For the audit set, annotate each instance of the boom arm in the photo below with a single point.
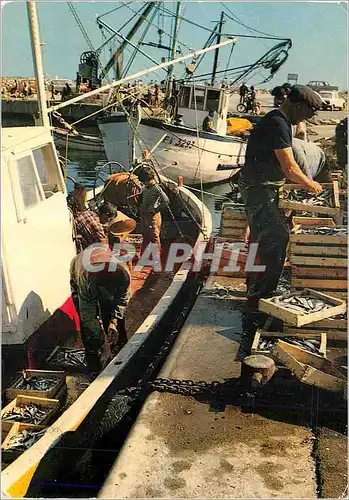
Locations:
(115, 57)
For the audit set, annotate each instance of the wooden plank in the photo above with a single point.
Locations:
(230, 232)
(331, 334)
(230, 215)
(310, 250)
(301, 207)
(319, 283)
(313, 221)
(317, 261)
(338, 324)
(234, 223)
(296, 319)
(320, 272)
(318, 238)
(336, 194)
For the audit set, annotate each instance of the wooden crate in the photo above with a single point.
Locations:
(234, 221)
(336, 329)
(10, 455)
(293, 318)
(310, 368)
(313, 221)
(301, 207)
(12, 392)
(262, 334)
(52, 405)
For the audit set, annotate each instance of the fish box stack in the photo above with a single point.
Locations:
(19, 439)
(302, 201)
(318, 257)
(234, 221)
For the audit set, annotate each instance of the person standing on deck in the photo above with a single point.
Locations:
(100, 294)
(154, 200)
(269, 160)
(243, 92)
(78, 81)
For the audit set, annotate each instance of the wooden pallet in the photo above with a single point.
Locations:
(301, 207)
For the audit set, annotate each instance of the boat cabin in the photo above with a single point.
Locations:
(37, 245)
(196, 100)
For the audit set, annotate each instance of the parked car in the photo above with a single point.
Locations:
(319, 85)
(332, 100)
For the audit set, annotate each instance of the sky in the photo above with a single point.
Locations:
(318, 31)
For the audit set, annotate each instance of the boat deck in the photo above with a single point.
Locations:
(186, 447)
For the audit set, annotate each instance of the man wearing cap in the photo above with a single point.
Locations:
(269, 160)
(207, 124)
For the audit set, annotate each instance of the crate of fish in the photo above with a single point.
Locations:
(264, 342)
(318, 257)
(39, 383)
(29, 410)
(336, 328)
(234, 220)
(19, 439)
(67, 359)
(304, 307)
(292, 197)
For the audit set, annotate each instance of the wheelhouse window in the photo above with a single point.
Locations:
(184, 97)
(199, 98)
(29, 182)
(46, 165)
(212, 101)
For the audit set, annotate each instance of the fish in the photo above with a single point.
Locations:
(24, 439)
(69, 357)
(301, 304)
(306, 198)
(35, 383)
(325, 231)
(28, 414)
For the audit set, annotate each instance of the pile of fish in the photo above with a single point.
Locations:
(310, 345)
(24, 439)
(28, 414)
(35, 383)
(325, 199)
(325, 231)
(69, 357)
(301, 304)
(235, 208)
(284, 285)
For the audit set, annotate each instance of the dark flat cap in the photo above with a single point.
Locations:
(302, 93)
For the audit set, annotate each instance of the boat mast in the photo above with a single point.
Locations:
(173, 48)
(215, 62)
(139, 74)
(37, 58)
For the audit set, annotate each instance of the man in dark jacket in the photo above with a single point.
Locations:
(269, 160)
(100, 288)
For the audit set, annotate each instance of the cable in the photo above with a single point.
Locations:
(237, 20)
(81, 26)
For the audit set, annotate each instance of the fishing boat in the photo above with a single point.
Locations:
(80, 142)
(175, 136)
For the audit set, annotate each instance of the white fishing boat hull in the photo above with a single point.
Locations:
(179, 151)
(81, 142)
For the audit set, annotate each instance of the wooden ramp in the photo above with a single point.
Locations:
(182, 448)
